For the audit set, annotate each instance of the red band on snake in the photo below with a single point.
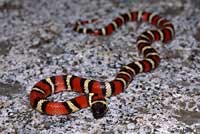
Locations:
(93, 93)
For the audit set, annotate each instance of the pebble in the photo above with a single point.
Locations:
(131, 126)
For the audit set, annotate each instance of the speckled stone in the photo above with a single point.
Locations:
(37, 41)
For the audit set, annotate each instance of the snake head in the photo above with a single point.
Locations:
(99, 109)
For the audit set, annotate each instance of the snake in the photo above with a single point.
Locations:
(94, 93)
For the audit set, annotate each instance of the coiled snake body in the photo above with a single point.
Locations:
(93, 93)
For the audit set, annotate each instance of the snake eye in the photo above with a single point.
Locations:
(99, 109)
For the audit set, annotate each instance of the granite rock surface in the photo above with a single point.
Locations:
(37, 41)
